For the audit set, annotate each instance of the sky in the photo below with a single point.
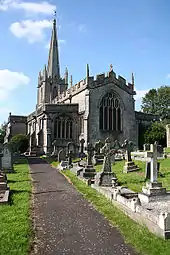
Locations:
(133, 36)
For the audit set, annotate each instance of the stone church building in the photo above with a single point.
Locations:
(92, 109)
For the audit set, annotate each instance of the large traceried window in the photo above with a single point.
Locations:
(63, 128)
(110, 113)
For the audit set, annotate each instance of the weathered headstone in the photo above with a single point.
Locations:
(54, 144)
(6, 161)
(160, 151)
(89, 171)
(61, 155)
(148, 169)
(129, 164)
(168, 135)
(153, 187)
(146, 147)
(98, 156)
(106, 177)
(69, 158)
(71, 147)
(82, 154)
(82, 141)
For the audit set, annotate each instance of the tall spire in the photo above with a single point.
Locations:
(53, 59)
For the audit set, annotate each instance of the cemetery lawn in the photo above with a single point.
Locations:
(138, 236)
(136, 180)
(15, 223)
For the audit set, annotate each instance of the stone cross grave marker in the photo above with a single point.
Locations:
(98, 145)
(107, 177)
(128, 146)
(153, 155)
(106, 150)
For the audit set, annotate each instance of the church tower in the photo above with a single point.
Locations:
(50, 83)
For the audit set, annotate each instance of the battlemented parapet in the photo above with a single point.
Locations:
(90, 82)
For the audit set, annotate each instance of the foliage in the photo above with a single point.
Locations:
(19, 143)
(139, 236)
(2, 132)
(157, 132)
(16, 230)
(157, 102)
(141, 131)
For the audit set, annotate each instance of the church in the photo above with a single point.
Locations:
(93, 109)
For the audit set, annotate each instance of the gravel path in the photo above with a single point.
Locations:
(65, 223)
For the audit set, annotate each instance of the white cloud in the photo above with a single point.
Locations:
(9, 81)
(140, 94)
(138, 98)
(32, 30)
(29, 7)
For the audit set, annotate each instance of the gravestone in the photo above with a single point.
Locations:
(6, 160)
(98, 156)
(89, 171)
(160, 151)
(148, 169)
(106, 177)
(61, 155)
(146, 147)
(82, 154)
(153, 188)
(54, 144)
(71, 147)
(168, 135)
(129, 164)
(69, 158)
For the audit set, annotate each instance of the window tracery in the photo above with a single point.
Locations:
(110, 113)
(63, 128)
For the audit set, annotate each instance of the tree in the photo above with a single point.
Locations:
(2, 132)
(157, 102)
(157, 132)
(19, 143)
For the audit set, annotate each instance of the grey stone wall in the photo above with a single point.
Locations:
(129, 130)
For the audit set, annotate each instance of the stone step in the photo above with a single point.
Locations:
(89, 174)
(3, 186)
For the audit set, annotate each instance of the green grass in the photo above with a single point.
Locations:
(15, 223)
(167, 150)
(144, 242)
(136, 180)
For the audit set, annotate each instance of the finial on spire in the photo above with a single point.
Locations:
(133, 81)
(111, 67)
(71, 80)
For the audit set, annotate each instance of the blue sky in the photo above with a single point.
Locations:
(131, 35)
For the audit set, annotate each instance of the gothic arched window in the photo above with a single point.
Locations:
(110, 113)
(63, 128)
